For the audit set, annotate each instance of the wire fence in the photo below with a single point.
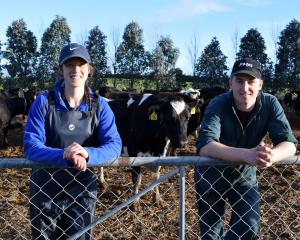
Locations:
(176, 218)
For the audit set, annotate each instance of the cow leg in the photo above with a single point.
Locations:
(156, 198)
(166, 148)
(137, 181)
(197, 131)
(103, 183)
(5, 131)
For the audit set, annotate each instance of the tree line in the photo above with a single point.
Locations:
(27, 65)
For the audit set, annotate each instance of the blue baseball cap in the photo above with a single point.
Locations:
(73, 50)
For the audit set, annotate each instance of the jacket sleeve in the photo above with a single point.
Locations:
(110, 141)
(210, 129)
(35, 137)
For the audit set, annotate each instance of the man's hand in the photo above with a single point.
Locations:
(261, 156)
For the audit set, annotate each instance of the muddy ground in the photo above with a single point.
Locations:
(280, 207)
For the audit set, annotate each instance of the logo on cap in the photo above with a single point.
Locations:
(246, 64)
(72, 49)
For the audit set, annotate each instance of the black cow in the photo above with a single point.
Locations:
(118, 101)
(288, 100)
(209, 93)
(13, 102)
(28, 94)
(114, 93)
(296, 104)
(9, 108)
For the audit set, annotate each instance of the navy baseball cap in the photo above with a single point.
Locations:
(248, 66)
(73, 50)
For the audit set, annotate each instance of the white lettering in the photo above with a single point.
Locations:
(246, 64)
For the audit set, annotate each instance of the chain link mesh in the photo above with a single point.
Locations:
(280, 207)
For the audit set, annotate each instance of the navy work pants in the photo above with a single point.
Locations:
(58, 220)
(244, 201)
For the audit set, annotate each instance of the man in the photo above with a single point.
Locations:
(233, 129)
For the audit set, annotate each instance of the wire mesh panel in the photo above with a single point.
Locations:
(279, 205)
(14, 189)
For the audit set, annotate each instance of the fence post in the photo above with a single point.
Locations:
(182, 202)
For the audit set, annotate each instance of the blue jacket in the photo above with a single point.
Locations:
(221, 124)
(35, 138)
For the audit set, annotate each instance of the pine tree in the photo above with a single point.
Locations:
(96, 48)
(53, 39)
(1, 55)
(211, 65)
(20, 52)
(163, 60)
(253, 45)
(286, 71)
(131, 55)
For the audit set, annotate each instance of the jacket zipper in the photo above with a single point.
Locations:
(243, 129)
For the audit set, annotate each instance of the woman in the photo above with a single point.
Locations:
(67, 127)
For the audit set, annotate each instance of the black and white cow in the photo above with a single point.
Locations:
(195, 109)
(147, 125)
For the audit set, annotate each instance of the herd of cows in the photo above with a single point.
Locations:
(150, 123)
(155, 124)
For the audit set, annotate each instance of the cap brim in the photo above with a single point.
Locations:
(73, 56)
(251, 73)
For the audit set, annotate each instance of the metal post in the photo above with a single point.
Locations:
(182, 203)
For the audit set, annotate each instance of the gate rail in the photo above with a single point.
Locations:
(142, 161)
(180, 161)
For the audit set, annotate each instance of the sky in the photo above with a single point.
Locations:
(181, 20)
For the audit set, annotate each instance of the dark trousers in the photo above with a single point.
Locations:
(244, 202)
(58, 220)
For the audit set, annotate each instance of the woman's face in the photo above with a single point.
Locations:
(75, 72)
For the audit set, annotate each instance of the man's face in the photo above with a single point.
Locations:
(245, 89)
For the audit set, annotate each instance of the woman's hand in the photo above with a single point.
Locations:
(77, 155)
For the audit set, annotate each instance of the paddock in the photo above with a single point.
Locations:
(279, 186)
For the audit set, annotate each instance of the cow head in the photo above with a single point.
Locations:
(176, 116)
